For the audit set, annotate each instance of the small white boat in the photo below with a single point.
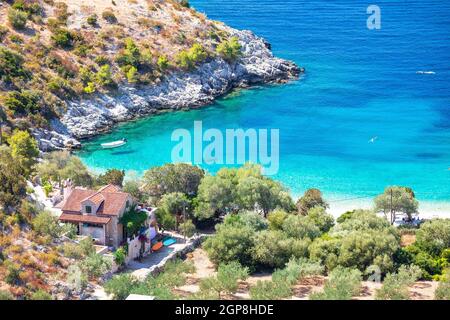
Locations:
(425, 72)
(114, 144)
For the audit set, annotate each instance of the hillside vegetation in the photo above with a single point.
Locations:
(55, 51)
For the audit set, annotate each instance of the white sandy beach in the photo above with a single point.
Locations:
(427, 209)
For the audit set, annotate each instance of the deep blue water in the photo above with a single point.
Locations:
(359, 83)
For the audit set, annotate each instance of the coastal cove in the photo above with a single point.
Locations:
(359, 84)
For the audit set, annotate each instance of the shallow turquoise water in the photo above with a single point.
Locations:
(359, 84)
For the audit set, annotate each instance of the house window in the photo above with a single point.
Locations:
(128, 204)
(88, 209)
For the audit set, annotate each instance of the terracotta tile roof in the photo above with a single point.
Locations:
(73, 202)
(109, 199)
(97, 198)
(84, 218)
(114, 201)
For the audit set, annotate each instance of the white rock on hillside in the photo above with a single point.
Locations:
(257, 65)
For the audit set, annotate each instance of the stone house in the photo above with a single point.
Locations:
(97, 213)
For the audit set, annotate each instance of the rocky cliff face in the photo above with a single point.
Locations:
(86, 118)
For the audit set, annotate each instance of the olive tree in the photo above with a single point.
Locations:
(395, 285)
(169, 178)
(342, 284)
(232, 242)
(274, 248)
(312, 198)
(434, 236)
(396, 200)
(226, 280)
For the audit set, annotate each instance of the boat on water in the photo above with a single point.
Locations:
(114, 144)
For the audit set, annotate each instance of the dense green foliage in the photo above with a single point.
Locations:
(24, 150)
(361, 241)
(133, 220)
(170, 178)
(112, 176)
(232, 190)
(18, 19)
(171, 209)
(12, 181)
(11, 65)
(60, 165)
(46, 224)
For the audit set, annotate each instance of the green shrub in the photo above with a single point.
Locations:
(132, 75)
(133, 220)
(12, 276)
(321, 218)
(48, 188)
(40, 295)
(109, 16)
(76, 279)
(270, 290)
(104, 76)
(187, 59)
(187, 228)
(89, 88)
(11, 65)
(29, 7)
(87, 246)
(62, 38)
(226, 280)
(101, 60)
(120, 256)
(300, 227)
(46, 224)
(174, 275)
(165, 219)
(443, 290)
(120, 286)
(273, 249)
(230, 243)
(361, 249)
(163, 63)
(184, 60)
(326, 251)
(230, 49)
(18, 19)
(95, 265)
(3, 32)
(71, 250)
(253, 219)
(342, 284)
(6, 295)
(22, 102)
(395, 286)
(92, 20)
(276, 219)
(434, 236)
(185, 3)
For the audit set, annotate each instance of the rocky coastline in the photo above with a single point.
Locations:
(177, 91)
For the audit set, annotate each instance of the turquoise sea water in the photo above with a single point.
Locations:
(359, 83)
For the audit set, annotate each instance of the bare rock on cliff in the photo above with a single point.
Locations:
(257, 65)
